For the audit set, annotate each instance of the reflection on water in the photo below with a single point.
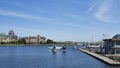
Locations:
(41, 57)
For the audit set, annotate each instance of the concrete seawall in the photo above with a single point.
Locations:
(100, 57)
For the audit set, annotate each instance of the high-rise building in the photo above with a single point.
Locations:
(11, 37)
(11, 33)
(2, 37)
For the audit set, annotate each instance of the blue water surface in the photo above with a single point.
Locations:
(41, 57)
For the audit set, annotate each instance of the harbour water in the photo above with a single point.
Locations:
(41, 57)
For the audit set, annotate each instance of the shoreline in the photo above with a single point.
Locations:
(101, 58)
(34, 44)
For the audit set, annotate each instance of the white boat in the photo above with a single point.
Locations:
(50, 48)
(55, 48)
(75, 47)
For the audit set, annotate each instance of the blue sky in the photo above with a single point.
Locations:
(61, 20)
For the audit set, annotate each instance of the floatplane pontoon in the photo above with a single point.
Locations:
(57, 48)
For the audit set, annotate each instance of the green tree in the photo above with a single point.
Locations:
(50, 41)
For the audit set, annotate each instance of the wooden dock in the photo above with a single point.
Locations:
(100, 57)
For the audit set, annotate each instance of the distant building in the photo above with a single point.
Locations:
(112, 46)
(0, 39)
(94, 47)
(42, 39)
(27, 41)
(11, 33)
(11, 37)
(35, 39)
(69, 42)
(4, 38)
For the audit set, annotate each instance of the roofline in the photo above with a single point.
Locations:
(111, 39)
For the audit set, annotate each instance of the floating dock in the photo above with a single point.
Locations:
(100, 57)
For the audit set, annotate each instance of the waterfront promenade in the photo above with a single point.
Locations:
(100, 57)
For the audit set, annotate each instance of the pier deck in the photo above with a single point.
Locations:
(100, 57)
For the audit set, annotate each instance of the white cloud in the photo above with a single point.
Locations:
(22, 5)
(43, 19)
(100, 14)
(15, 14)
(93, 4)
(73, 16)
(106, 12)
(91, 8)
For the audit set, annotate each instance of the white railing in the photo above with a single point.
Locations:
(116, 45)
